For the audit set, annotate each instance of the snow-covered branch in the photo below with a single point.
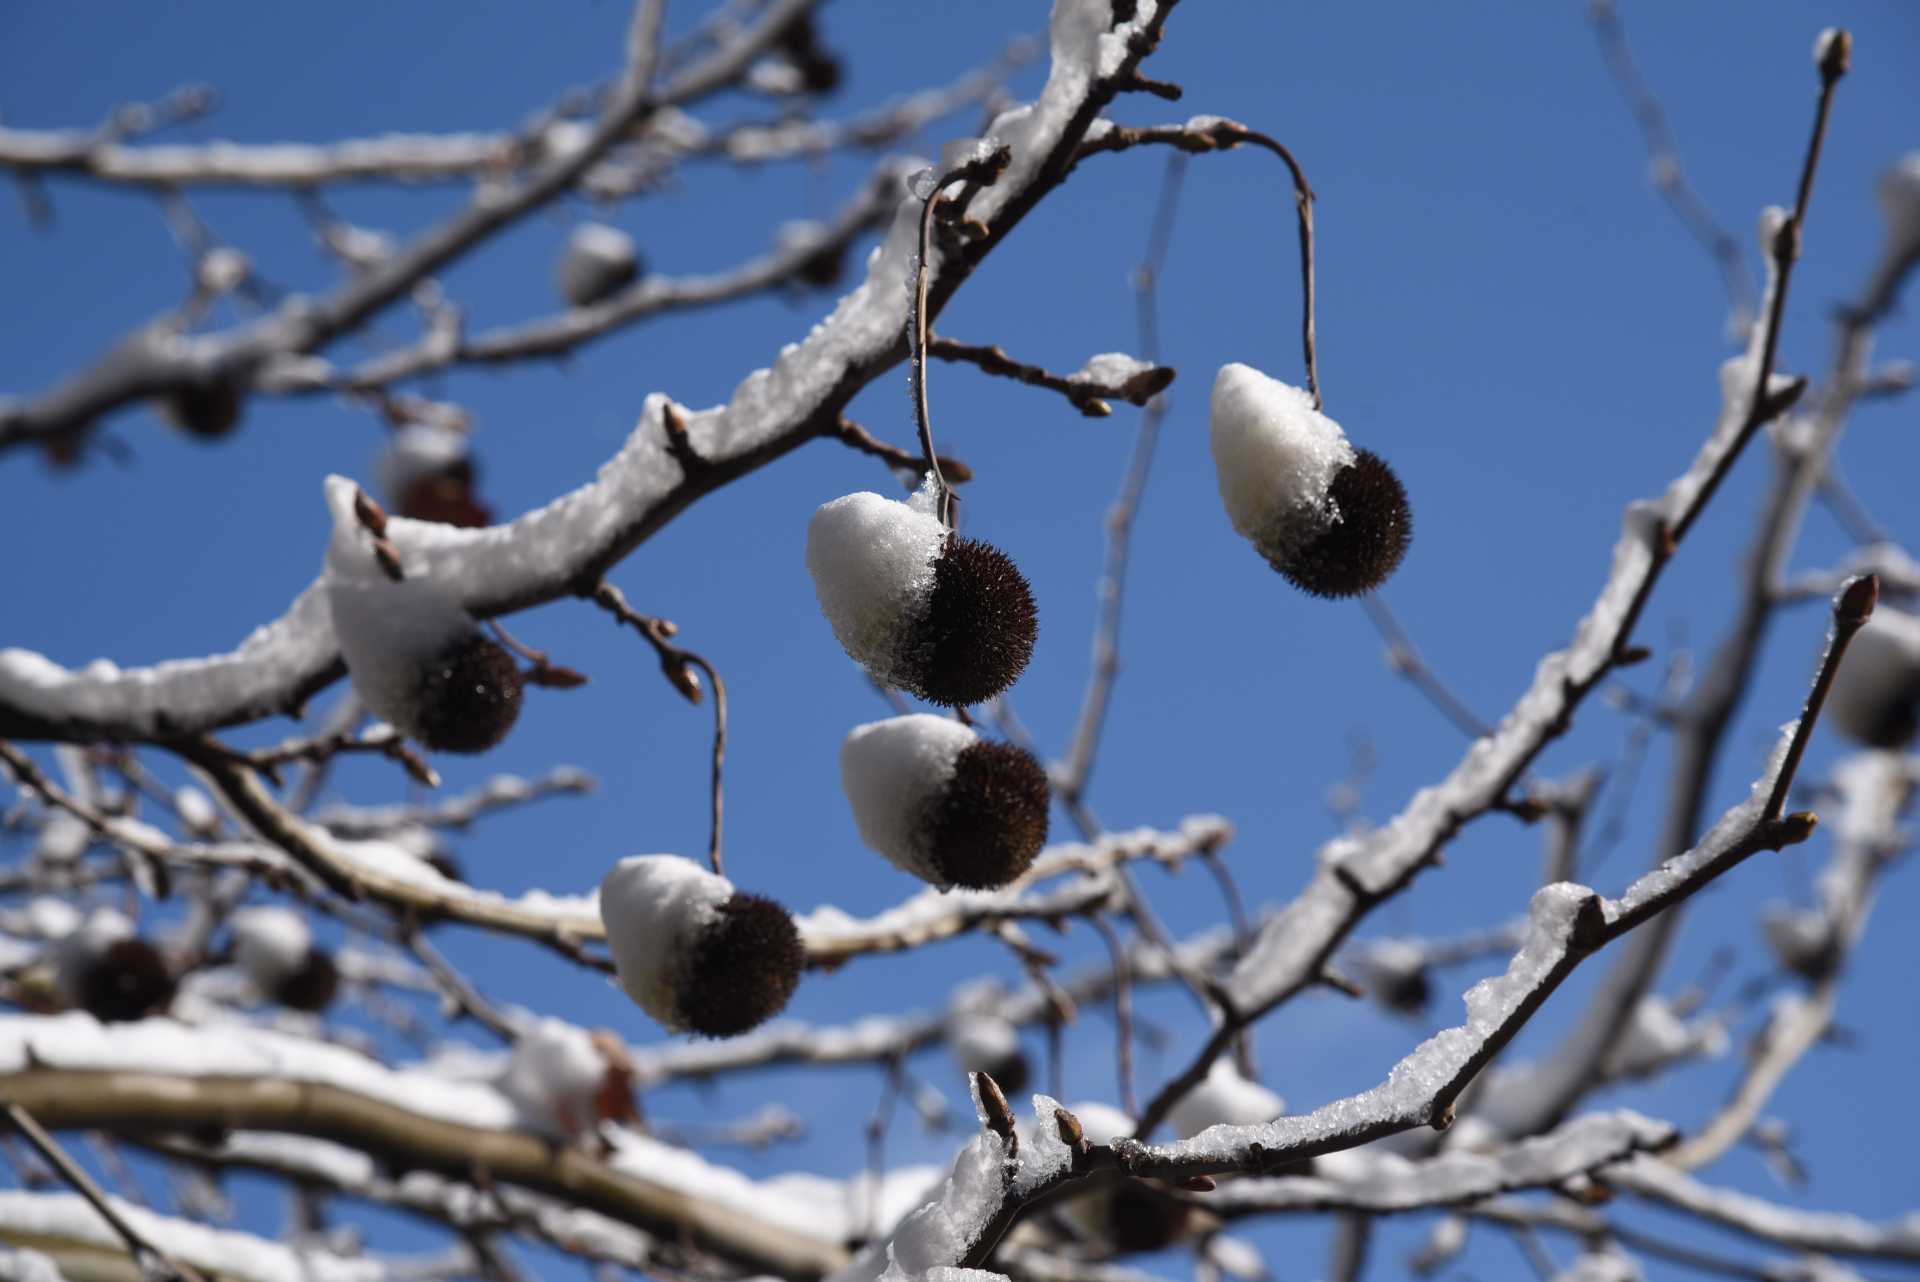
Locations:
(567, 546)
(69, 1072)
(1829, 1232)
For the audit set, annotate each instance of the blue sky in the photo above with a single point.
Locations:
(1507, 313)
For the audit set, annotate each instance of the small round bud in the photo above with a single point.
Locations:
(941, 803)
(695, 953)
(1332, 519)
(950, 619)
(599, 262)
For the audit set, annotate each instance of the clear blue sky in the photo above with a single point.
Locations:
(1508, 314)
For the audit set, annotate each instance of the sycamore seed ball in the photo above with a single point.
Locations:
(1332, 519)
(208, 408)
(693, 952)
(276, 950)
(1875, 698)
(947, 618)
(419, 662)
(598, 262)
(939, 802)
(102, 967)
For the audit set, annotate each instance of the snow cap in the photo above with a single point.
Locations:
(1875, 697)
(1334, 520)
(950, 619)
(598, 262)
(939, 802)
(1224, 1099)
(693, 952)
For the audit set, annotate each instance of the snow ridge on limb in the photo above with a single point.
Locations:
(1566, 924)
(556, 550)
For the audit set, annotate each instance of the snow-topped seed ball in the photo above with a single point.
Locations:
(692, 951)
(944, 804)
(105, 969)
(950, 619)
(983, 1042)
(1224, 1099)
(1875, 698)
(426, 472)
(598, 262)
(276, 950)
(1331, 518)
(416, 657)
(565, 1079)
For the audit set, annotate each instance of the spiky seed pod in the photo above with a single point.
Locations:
(208, 408)
(275, 948)
(939, 802)
(947, 618)
(1332, 519)
(983, 1042)
(1224, 1098)
(817, 67)
(598, 262)
(416, 657)
(1875, 697)
(693, 952)
(103, 968)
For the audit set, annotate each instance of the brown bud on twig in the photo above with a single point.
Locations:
(389, 558)
(1069, 1126)
(555, 676)
(1854, 606)
(994, 1105)
(684, 678)
(1833, 53)
(369, 513)
(1199, 1184)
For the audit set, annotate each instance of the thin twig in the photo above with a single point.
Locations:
(1122, 1012)
(1405, 659)
(49, 1149)
(982, 171)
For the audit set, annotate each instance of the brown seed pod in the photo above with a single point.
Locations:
(985, 827)
(743, 969)
(128, 980)
(1356, 553)
(978, 632)
(469, 696)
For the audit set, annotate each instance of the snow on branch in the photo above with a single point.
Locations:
(158, 1074)
(1355, 872)
(1566, 924)
(63, 1227)
(1382, 1182)
(565, 547)
(1829, 1232)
